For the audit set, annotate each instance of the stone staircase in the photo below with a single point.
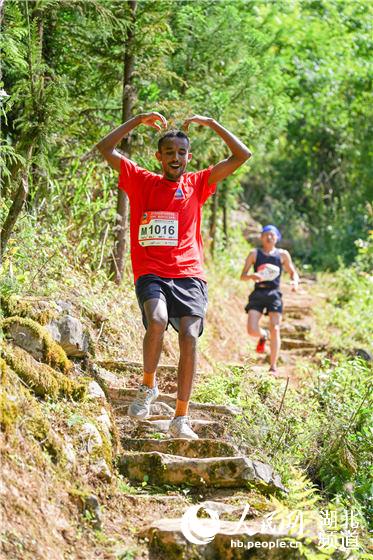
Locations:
(212, 468)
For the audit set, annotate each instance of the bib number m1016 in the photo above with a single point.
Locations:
(159, 228)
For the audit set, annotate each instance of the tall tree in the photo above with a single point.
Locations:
(128, 99)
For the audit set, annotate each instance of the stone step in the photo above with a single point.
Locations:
(293, 357)
(198, 448)
(294, 343)
(203, 428)
(297, 311)
(295, 314)
(299, 331)
(229, 540)
(120, 396)
(217, 472)
(296, 326)
(127, 366)
(293, 334)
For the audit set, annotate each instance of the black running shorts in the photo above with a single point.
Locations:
(185, 297)
(265, 301)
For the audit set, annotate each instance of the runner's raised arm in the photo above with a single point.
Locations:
(240, 152)
(107, 145)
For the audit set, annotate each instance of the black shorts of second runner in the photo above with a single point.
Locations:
(184, 297)
(265, 301)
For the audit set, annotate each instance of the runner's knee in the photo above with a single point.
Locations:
(190, 333)
(252, 330)
(157, 323)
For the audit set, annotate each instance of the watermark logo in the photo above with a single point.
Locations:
(198, 530)
(286, 528)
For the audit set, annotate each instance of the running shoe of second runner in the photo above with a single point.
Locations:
(140, 406)
(180, 428)
(260, 347)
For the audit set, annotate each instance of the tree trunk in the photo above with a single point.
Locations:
(213, 222)
(128, 98)
(1, 10)
(17, 205)
(224, 204)
(225, 223)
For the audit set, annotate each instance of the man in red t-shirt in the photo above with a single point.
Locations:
(166, 249)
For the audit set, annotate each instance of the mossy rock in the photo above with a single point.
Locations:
(3, 372)
(34, 338)
(21, 414)
(40, 310)
(217, 472)
(105, 447)
(198, 448)
(9, 412)
(38, 426)
(41, 378)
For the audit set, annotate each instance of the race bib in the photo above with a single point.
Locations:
(159, 228)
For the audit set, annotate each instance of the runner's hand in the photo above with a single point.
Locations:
(198, 119)
(150, 119)
(294, 285)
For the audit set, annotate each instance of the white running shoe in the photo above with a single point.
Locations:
(140, 406)
(180, 428)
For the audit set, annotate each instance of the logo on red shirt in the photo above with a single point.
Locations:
(179, 193)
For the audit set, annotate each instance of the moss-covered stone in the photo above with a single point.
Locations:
(3, 372)
(39, 310)
(218, 472)
(198, 448)
(41, 378)
(13, 305)
(23, 412)
(52, 352)
(8, 412)
(105, 451)
(39, 427)
(95, 443)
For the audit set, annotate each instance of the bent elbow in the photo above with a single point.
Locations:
(106, 152)
(244, 156)
(101, 148)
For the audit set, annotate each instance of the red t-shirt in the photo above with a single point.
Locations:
(165, 221)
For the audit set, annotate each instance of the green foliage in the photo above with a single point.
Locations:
(364, 258)
(317, 173)
(324, 427)
(296, 89)
(344, 395)
(222, 388)
(347, 321)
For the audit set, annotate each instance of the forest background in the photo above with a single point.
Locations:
(292, 79)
